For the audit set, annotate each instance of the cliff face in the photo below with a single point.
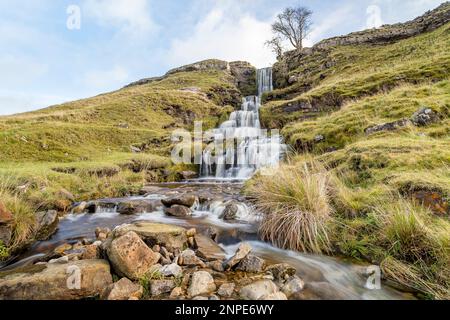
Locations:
(387, 34)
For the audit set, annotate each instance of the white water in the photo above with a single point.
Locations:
(240, 146)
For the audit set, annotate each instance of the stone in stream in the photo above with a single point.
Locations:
(281, 271)
(135, 207)
(230, 212)
(293, 286)
(243, 250)
(169, 236)
(178, 211)
(124, 289)
(182, 200)
(188, 258)
(102, 233)
(75, 280)
(159, 287)
(130, 256)
(251, 264)
(47, 223)
(258, 290)
(207, 249)
(201, 283)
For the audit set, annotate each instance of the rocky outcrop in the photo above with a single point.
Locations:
(136, 207)
(245, 77)
(390, 126)
(424, 117)
(74, 280)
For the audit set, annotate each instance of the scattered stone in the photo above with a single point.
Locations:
(131, 257)
(424, 117)
(201, 283)
(159, 287)
(188, 258)
(243, 250)
(251, 264)
(91, 251)
(183, 200)
(171, 270)
(293, 286)
(124, 289)
(102, 233)
(207, 249)
(216, 266)
(164, 252)
(156, 248)
(47, 223)
(176, 293)
(75, 280)
(282, 271)
(178, 211)
(226, 290)
(212, 233)
(390, 126)
(135, 207)
(258, 290)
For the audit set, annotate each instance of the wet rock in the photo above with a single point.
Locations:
(61, 260)
(258, 290)
(243, 250)
(136, 207)
(293, 286)
(424, 117)
(171, 270)
(251, 264)
(182, 200)
(188, 258)
(191, 242)
(226, 290)
(207, 249)
(130, 256)
(169, 236)
(201, 283)
(178, 211)
(80, 208)
(123, 289)
(281, 271)
(74, 280)
(47, 223)
(102, 233)
(231, 211)
(159, 287)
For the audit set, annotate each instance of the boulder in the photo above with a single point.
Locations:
(70, 281)
(188, 258)
(258, 290)
(130, 256)
(182, 200)
(424, 117)
(135, 207)
(281, 271)
(201, 283)
(226, 290)
(169, 236)
(123, 289)
(231, 211)
(243, 250)
(171, 270)
(251, 264)
(293, 286)
(159, 287)
(207, 249)
(178, 211)
(47, 224)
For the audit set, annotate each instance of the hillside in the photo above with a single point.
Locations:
(373, 107)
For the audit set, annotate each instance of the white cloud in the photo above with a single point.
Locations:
(106, 79)
(128, 16)
(15, 102)
(225, 33)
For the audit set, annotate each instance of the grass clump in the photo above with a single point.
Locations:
(4, 251)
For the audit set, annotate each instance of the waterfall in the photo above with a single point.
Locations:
(240, 146)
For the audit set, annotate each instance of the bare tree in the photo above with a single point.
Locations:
(276, 45)
(294, 24)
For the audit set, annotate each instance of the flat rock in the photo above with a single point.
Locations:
(243, 250)
(171, 270)
(189, 258)
(124, 289)
(208, 249)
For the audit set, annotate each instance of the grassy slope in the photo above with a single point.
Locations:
(84, 147)
(377, 174)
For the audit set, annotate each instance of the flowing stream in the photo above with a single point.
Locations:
(343, 279)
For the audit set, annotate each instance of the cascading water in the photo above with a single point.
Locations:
(240, 146)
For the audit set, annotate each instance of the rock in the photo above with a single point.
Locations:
(91, 251)
(5, 234)
(293, 286)
(60, 250)
(176, 293)
(47, 223)
(171, 270)
(226, 290)
(169, 236)
(164, 252)
(258, 290)
(216, 266)
(178, 211)
(207, 249)
(191, 242)
(131, 257)
(390, 126)
(102, 233)
(80, 208)
(74, 280)
(231, 211)
(61, 260)
(123, 289)
(319, 138)
(292, 79)
(200, 298)
(201, 283)
(277, 296)
(65, 195)
(251, 264)
(212, 233)
(191, 232)
(188, 258)
(424, 117)
(243, 250)
(136, 207)
(6, 216)
(281, 271)
(182, 200)
(187, 175)
(159, 287)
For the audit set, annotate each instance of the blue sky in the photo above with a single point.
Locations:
(42, 62)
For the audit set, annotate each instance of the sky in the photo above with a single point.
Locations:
(54, 51)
